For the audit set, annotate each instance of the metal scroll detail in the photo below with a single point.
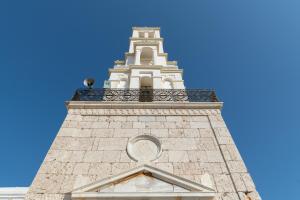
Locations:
(146, 95)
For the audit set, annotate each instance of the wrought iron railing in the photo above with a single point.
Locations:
(145, 95)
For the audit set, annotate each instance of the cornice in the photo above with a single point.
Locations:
(163, 69)
(142, 105)
(145, 28)
(143, 39)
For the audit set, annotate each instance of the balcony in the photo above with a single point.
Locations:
(146, 95)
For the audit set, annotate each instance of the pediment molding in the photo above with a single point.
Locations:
(187, 189)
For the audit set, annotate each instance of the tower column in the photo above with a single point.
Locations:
(154, 51)
(137, 57)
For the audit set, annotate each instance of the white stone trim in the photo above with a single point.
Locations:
(196, 189)
(13, 192)
(143, 195)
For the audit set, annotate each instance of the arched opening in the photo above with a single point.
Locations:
(168, 84)
(146, 89)
(146, 56)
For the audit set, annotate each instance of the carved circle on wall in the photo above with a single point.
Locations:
(144, 148)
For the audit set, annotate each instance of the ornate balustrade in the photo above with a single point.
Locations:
(145, 95)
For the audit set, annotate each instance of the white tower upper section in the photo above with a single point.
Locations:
(146, 64)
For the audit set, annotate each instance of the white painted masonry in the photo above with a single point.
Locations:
(146, 59)
(13, 193)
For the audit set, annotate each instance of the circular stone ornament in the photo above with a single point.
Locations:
(144, 148)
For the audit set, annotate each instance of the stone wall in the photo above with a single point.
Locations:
(91, 145)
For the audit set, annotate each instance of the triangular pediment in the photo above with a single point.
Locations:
(143, 181)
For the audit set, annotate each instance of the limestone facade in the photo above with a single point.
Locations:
(91, 145)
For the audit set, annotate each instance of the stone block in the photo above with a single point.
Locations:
(70, 143)
(102, 133)
(231, 152)
(176, 133)
(143, 131)
(230, 196)
(132, 118)
(126, 125)
(236, 166)
(125, 133)
(248, 181)
(214, 156)
(191, 132)
(238, 181)
(84, 125)
(82, 180)
(67, 184)
(114, 124)
(99, 125)
(118, 168)
(104, 118)
(118, 118)
(76, 156)
(198, 119)
(68, 132)
(197, 156)
(170, 125)
(146, 118)
(125, 157)
(206, 144)
(223, 183)
(222, 132)
(112, 144)
(100, 169)
(199, 124)
(179, 144)
(225, 140)
(111, 156)
(154, 125)
(164, 157)
(160, 133)
(81, 168)
(182, 125)
(160, 118)
(178, 156)
(138, 125)
(48, 183)
(93, 156)
(165, 166)
(206, 132)
(188, 168)
(174, 118)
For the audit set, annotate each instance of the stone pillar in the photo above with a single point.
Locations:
(154, 51)
(137, 57)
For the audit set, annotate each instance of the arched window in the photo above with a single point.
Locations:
(146, 89)
(146, 82)
(146, 56)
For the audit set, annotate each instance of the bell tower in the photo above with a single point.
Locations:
(144, 136)
(146, 65)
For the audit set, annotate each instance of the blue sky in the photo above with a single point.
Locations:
(247, 50)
